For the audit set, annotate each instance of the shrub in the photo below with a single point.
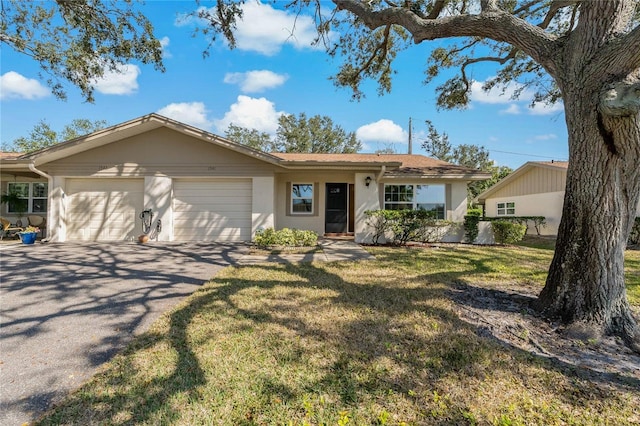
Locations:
(538, 221)
(285, 237)
(408, 224)
(634, 236)
(380, 221)
(470, 224)
(402, 226)
(508, 232)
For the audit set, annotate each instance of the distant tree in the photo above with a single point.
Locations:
(315, 134)
(78, 41)
(250, 137)
(43, 136)
(437, 145)
(389, 149)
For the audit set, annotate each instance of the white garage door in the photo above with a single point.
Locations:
(212, 210)
(104, 209)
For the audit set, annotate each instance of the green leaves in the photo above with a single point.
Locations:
(43, 136)
(78, 41)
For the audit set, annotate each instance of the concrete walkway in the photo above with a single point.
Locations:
(331, 250)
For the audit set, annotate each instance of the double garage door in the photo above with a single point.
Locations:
(203, 210)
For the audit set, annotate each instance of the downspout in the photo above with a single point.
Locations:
(33, 168)
(382, 172)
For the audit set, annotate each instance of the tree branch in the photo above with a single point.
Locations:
(554, 9)
(495, 25)
(620, 55)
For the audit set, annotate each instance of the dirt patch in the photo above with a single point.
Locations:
(507, 316)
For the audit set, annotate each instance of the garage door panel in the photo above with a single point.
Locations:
(103, 209)
(212, 210)
(187, 209)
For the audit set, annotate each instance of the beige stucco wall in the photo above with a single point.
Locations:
(548, 205)
(160, 152)
(366, 198)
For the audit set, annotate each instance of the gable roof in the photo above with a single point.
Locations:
(526, 167)
(392, 165)
(132, 128)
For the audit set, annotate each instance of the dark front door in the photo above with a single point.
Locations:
(336, 208)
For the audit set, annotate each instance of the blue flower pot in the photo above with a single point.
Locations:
(28, 237)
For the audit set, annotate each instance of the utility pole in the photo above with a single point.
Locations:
(410, 141)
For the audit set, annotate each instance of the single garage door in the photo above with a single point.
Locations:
(104, 209)
(212, 210)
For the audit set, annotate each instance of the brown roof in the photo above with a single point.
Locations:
(405, 164)
(9, 155)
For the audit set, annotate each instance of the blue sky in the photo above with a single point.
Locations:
(270, 73)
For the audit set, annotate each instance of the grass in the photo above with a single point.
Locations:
(372, 343)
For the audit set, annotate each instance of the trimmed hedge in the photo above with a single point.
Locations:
(537, 221)
(634, 236)
(470, 224)
(508, 232)
(405, 225)
(285, 237)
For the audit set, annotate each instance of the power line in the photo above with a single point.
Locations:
(527, 155)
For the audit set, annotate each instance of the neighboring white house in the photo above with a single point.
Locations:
(534, 189)
(202, 187)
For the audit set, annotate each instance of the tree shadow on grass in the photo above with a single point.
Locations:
(368, 342)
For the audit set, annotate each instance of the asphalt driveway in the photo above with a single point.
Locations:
(67, 308)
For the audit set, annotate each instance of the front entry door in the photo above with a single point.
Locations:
(336, 208)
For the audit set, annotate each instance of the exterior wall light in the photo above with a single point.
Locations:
(367, 180)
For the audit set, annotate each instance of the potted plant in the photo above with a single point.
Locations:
(28, 236)
(19, 204)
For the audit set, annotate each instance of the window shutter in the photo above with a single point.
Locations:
(316, 198)
(287, 208)
(447, 202)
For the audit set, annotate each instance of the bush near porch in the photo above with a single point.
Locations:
(401, 226)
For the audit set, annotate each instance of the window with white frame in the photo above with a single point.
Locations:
(416, 197)
(302, 198)
(32, 195)
(506, 208)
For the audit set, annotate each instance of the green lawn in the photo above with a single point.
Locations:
(349, 343)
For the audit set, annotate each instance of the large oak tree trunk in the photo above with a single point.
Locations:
(585, 286)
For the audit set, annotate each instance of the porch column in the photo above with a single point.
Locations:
(57, 208)
(366, 198)
(158, 193)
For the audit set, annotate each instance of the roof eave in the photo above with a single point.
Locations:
(456, 176)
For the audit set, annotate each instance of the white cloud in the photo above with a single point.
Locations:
(122, 81)
(251, 113)
(546, 137)
(544, 109)
(255, 81)
(164, 44)
(17, 86)
(382, 131)
(513, 109)
(193, 113)
(264, 29)
(496, 96)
